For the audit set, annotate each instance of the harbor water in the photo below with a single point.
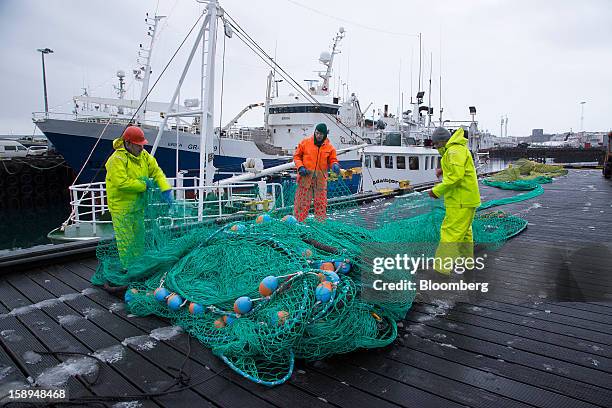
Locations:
(25, 228)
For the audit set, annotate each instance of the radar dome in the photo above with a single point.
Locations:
(325, 57)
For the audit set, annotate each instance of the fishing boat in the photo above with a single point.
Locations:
(84, 136)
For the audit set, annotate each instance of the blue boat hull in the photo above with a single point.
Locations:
(76, 150)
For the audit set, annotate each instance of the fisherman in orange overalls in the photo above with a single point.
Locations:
(313, 158)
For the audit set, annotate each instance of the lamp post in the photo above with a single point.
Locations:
(472, 112)
(44, 51)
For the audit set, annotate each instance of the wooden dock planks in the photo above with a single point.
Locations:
(541, 336)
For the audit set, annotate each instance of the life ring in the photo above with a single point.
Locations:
(26, 178)
(40, 179)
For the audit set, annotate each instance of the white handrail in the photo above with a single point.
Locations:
(88, 201)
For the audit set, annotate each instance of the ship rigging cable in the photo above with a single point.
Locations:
(131, 119)
(344, 20)
(261, 53)
(141, 102)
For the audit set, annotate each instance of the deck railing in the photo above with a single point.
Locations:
(89, 202)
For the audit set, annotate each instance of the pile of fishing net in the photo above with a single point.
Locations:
(262, 290)
(525, 174)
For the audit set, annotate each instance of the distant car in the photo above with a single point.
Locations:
(12, 148)
(37, 150)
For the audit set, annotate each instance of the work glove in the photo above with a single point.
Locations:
(303, 171)
(150, 184)
(336, 168)
(167, 197)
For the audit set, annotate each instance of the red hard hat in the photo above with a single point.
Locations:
(134, 134)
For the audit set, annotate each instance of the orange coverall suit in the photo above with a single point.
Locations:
(317, 160)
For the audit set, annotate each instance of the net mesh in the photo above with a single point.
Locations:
(525, 173)
(261, 292)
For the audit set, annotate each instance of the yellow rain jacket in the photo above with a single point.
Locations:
(125, 185)
(461, 197)
(459, 183)
(125, 174)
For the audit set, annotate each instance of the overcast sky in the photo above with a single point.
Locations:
(532, 60)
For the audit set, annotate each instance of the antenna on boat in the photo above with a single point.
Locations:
(420, 52)
(120, 89)
(399, 91)
(429, 108)
(327, 59)
(143, 73)
(441, 109)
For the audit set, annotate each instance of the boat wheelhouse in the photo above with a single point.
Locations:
(393, 167)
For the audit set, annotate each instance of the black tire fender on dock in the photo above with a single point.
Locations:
(39, 178)
(12, 180)
(27, 203)
(26, 178)
(27, 189)
(13, 191)
(41, 201)
(53, 177)
(54, 187)
(13, 202)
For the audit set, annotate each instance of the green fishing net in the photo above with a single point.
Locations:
(261, 289)
(525, 175)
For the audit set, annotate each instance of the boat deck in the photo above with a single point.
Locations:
(540, 337)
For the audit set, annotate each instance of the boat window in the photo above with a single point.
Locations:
(368, 161)
(10, 147)
(426, 162)
(401, 162)
(304, 109)
(413, 163)
(377, 162)
(388, 162)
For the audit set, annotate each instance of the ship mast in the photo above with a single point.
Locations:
(120, 89)
(327, 59)
(206, 40)
(144, 61)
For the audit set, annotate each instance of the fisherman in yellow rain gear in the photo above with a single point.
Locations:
(129, 171)
(459, 188)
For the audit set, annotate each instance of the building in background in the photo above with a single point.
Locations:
(488, 141)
